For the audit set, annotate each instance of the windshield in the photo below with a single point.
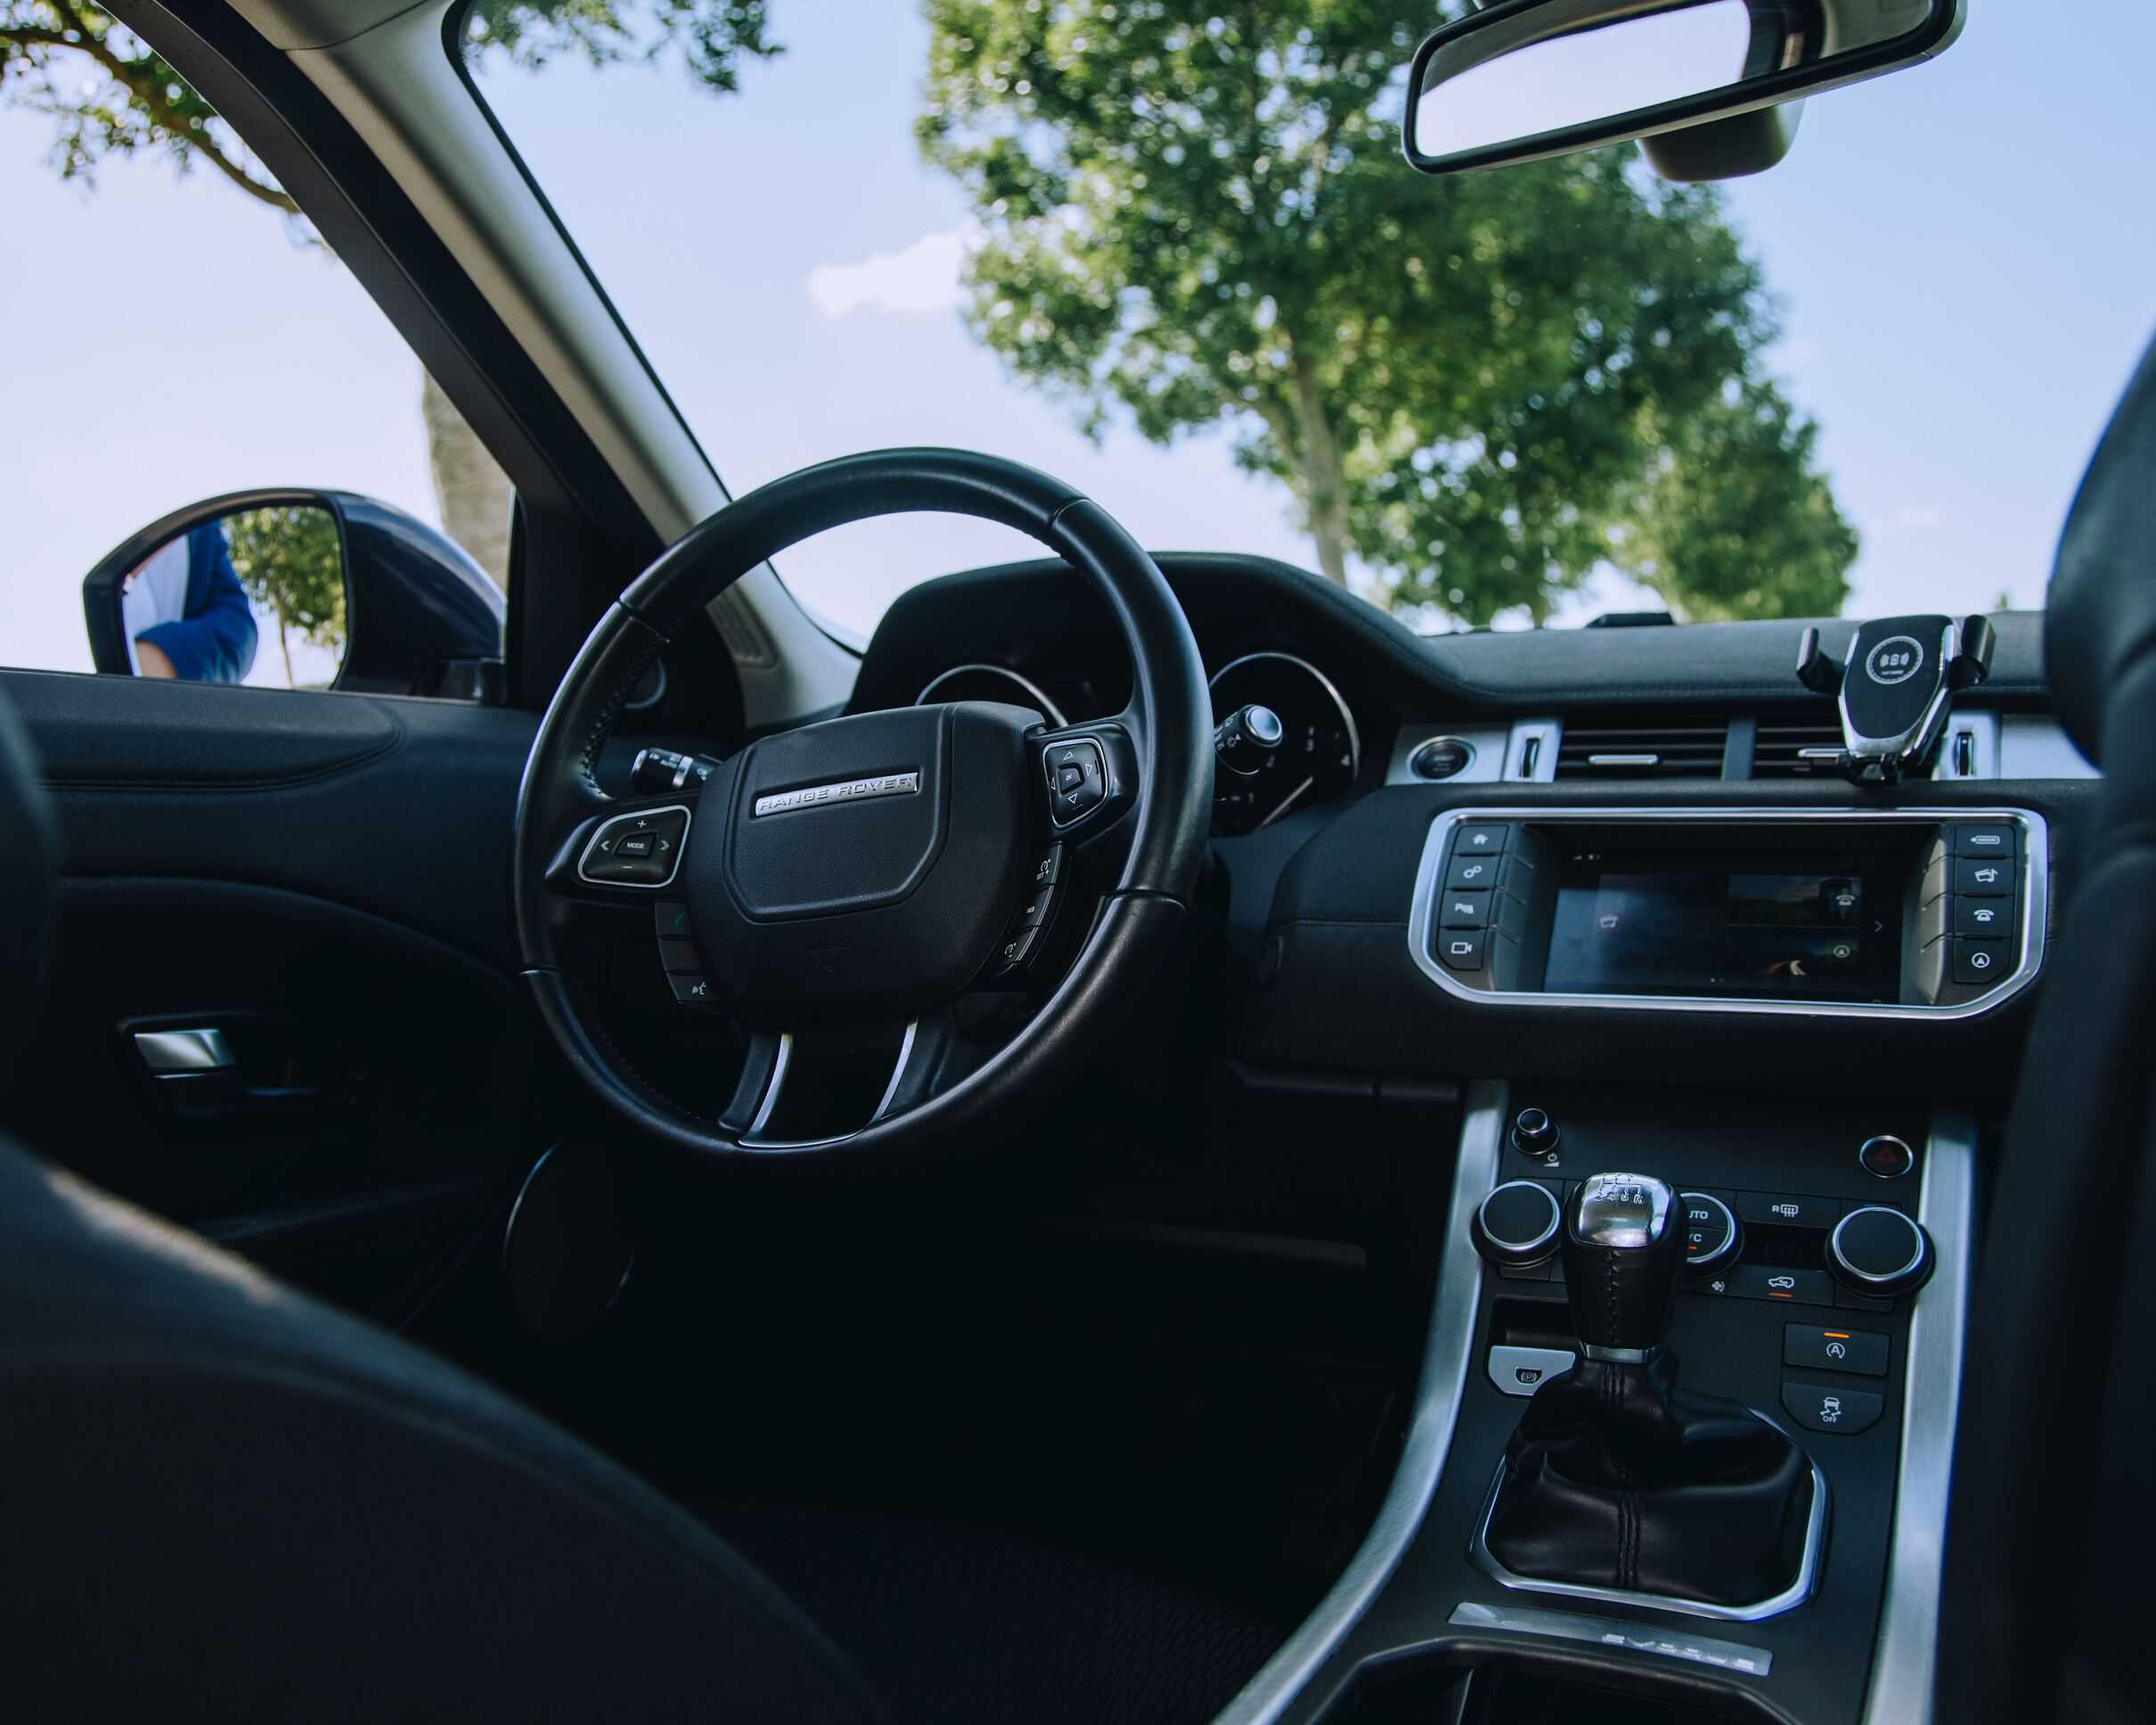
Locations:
(1170, 254)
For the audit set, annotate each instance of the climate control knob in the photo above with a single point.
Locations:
(1712, 1237)
(1880, 1252)
(1516, 1225)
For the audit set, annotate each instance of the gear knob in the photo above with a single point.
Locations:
(1623, 1247)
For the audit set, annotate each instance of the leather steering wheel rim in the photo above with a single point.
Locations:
(1168, 824)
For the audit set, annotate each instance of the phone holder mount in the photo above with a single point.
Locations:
(1895, 687)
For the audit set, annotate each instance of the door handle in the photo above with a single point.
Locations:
(176, 1053)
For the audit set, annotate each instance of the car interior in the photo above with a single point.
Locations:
(1149, 1145)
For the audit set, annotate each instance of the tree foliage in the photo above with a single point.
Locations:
(1194, 214)
(290, 560)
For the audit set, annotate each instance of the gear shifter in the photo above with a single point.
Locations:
(1623, 1246)
(1615, 1480)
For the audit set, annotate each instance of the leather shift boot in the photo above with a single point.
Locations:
(1616, 1480)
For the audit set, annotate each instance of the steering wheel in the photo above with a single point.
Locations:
(852, 884)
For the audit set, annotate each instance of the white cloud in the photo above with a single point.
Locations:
(1915, 518)
(921, 277)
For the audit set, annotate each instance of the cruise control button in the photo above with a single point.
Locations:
(1017, 945)
(1980, 962)
(1480, 841)
(1766, 1281)
(1461, 949)
(1048, 867)
(1983, 919)
(1788, 1209)
(1863, 1351)
(1471, 873)
(1463, 910)
(1980, 876)
(1832, 1408)
(1984, 841)
(1034, 912)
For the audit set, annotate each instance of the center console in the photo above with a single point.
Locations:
(1893, 912)
(1685, 1421)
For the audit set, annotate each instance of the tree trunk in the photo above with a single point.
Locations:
(1323, 476)
(472, 493)
(284, 646)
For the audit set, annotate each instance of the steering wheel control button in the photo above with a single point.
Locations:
(641, 850)
(1787, 1210)
(1771, 1281)
(1463, 910)
(1834, 1408)
(1535, 1133)
(1860, 1350)
(1711, 1235)
(679, 956)
(1523, 1370)
(1017, 947)
(670, 919)
(1879, 1252)
(1077, 779)
(1992, 841)
(1048, 867)
(1460, 949)
(1983, 877)
(1516, 1225)
(1886, 1157)
(691, 991)
(1481, 841)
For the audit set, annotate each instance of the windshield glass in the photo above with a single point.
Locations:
(1169, 253)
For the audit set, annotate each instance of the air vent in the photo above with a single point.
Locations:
(1796, 750)
(1643, 746)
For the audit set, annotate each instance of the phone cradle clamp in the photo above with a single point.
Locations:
(1895, 687)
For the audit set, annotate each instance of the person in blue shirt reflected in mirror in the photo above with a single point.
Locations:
(185, 613)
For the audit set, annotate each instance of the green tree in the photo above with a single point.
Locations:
(1194, 214)
(110, 95)
(291, 560)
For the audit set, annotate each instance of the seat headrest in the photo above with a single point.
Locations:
(30, 857)
(2101, 617)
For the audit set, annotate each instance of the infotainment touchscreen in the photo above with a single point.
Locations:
(1660, 923)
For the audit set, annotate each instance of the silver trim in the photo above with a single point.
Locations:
(1049, 709)
(176, 1053)
(1885, 1137)
(898, 1070)
(1833, 1247)
(1545, 1362)
(1447, 1354)
(1798, 1592)
(2036, 887)
(1354, 736)
(770, 1103)
(688, 817)
(1908, 1621)
(1624, 760)
(1618, 1356)
(1557, 1217)
(867, 788)
(1613, 1633)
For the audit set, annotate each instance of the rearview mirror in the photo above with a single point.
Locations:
(1525, 79)
(298, 588)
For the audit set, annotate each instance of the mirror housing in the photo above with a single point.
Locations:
(420, 617)
(1651, 69)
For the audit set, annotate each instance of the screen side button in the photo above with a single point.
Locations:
(1981, 961)
(1460, 949)
(1481, 841)
(1463, 910)
(1985, 841)
(1471, 873)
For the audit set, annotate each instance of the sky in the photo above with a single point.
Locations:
(1962, 253)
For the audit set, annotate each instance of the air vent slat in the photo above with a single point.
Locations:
(1634, 745)
(1796, 749)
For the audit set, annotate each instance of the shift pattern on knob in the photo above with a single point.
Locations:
(1623, 1247)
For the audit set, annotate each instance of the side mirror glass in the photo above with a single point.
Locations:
(299, 590)
(1532, 79)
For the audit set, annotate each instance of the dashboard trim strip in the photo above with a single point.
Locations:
(1908, 1621)
(1446, 1358)
(2036, 886)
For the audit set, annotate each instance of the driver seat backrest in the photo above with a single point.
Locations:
(222, 1498)
(2053, 1505)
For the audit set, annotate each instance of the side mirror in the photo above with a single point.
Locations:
(1526, 79)
(302, 589)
